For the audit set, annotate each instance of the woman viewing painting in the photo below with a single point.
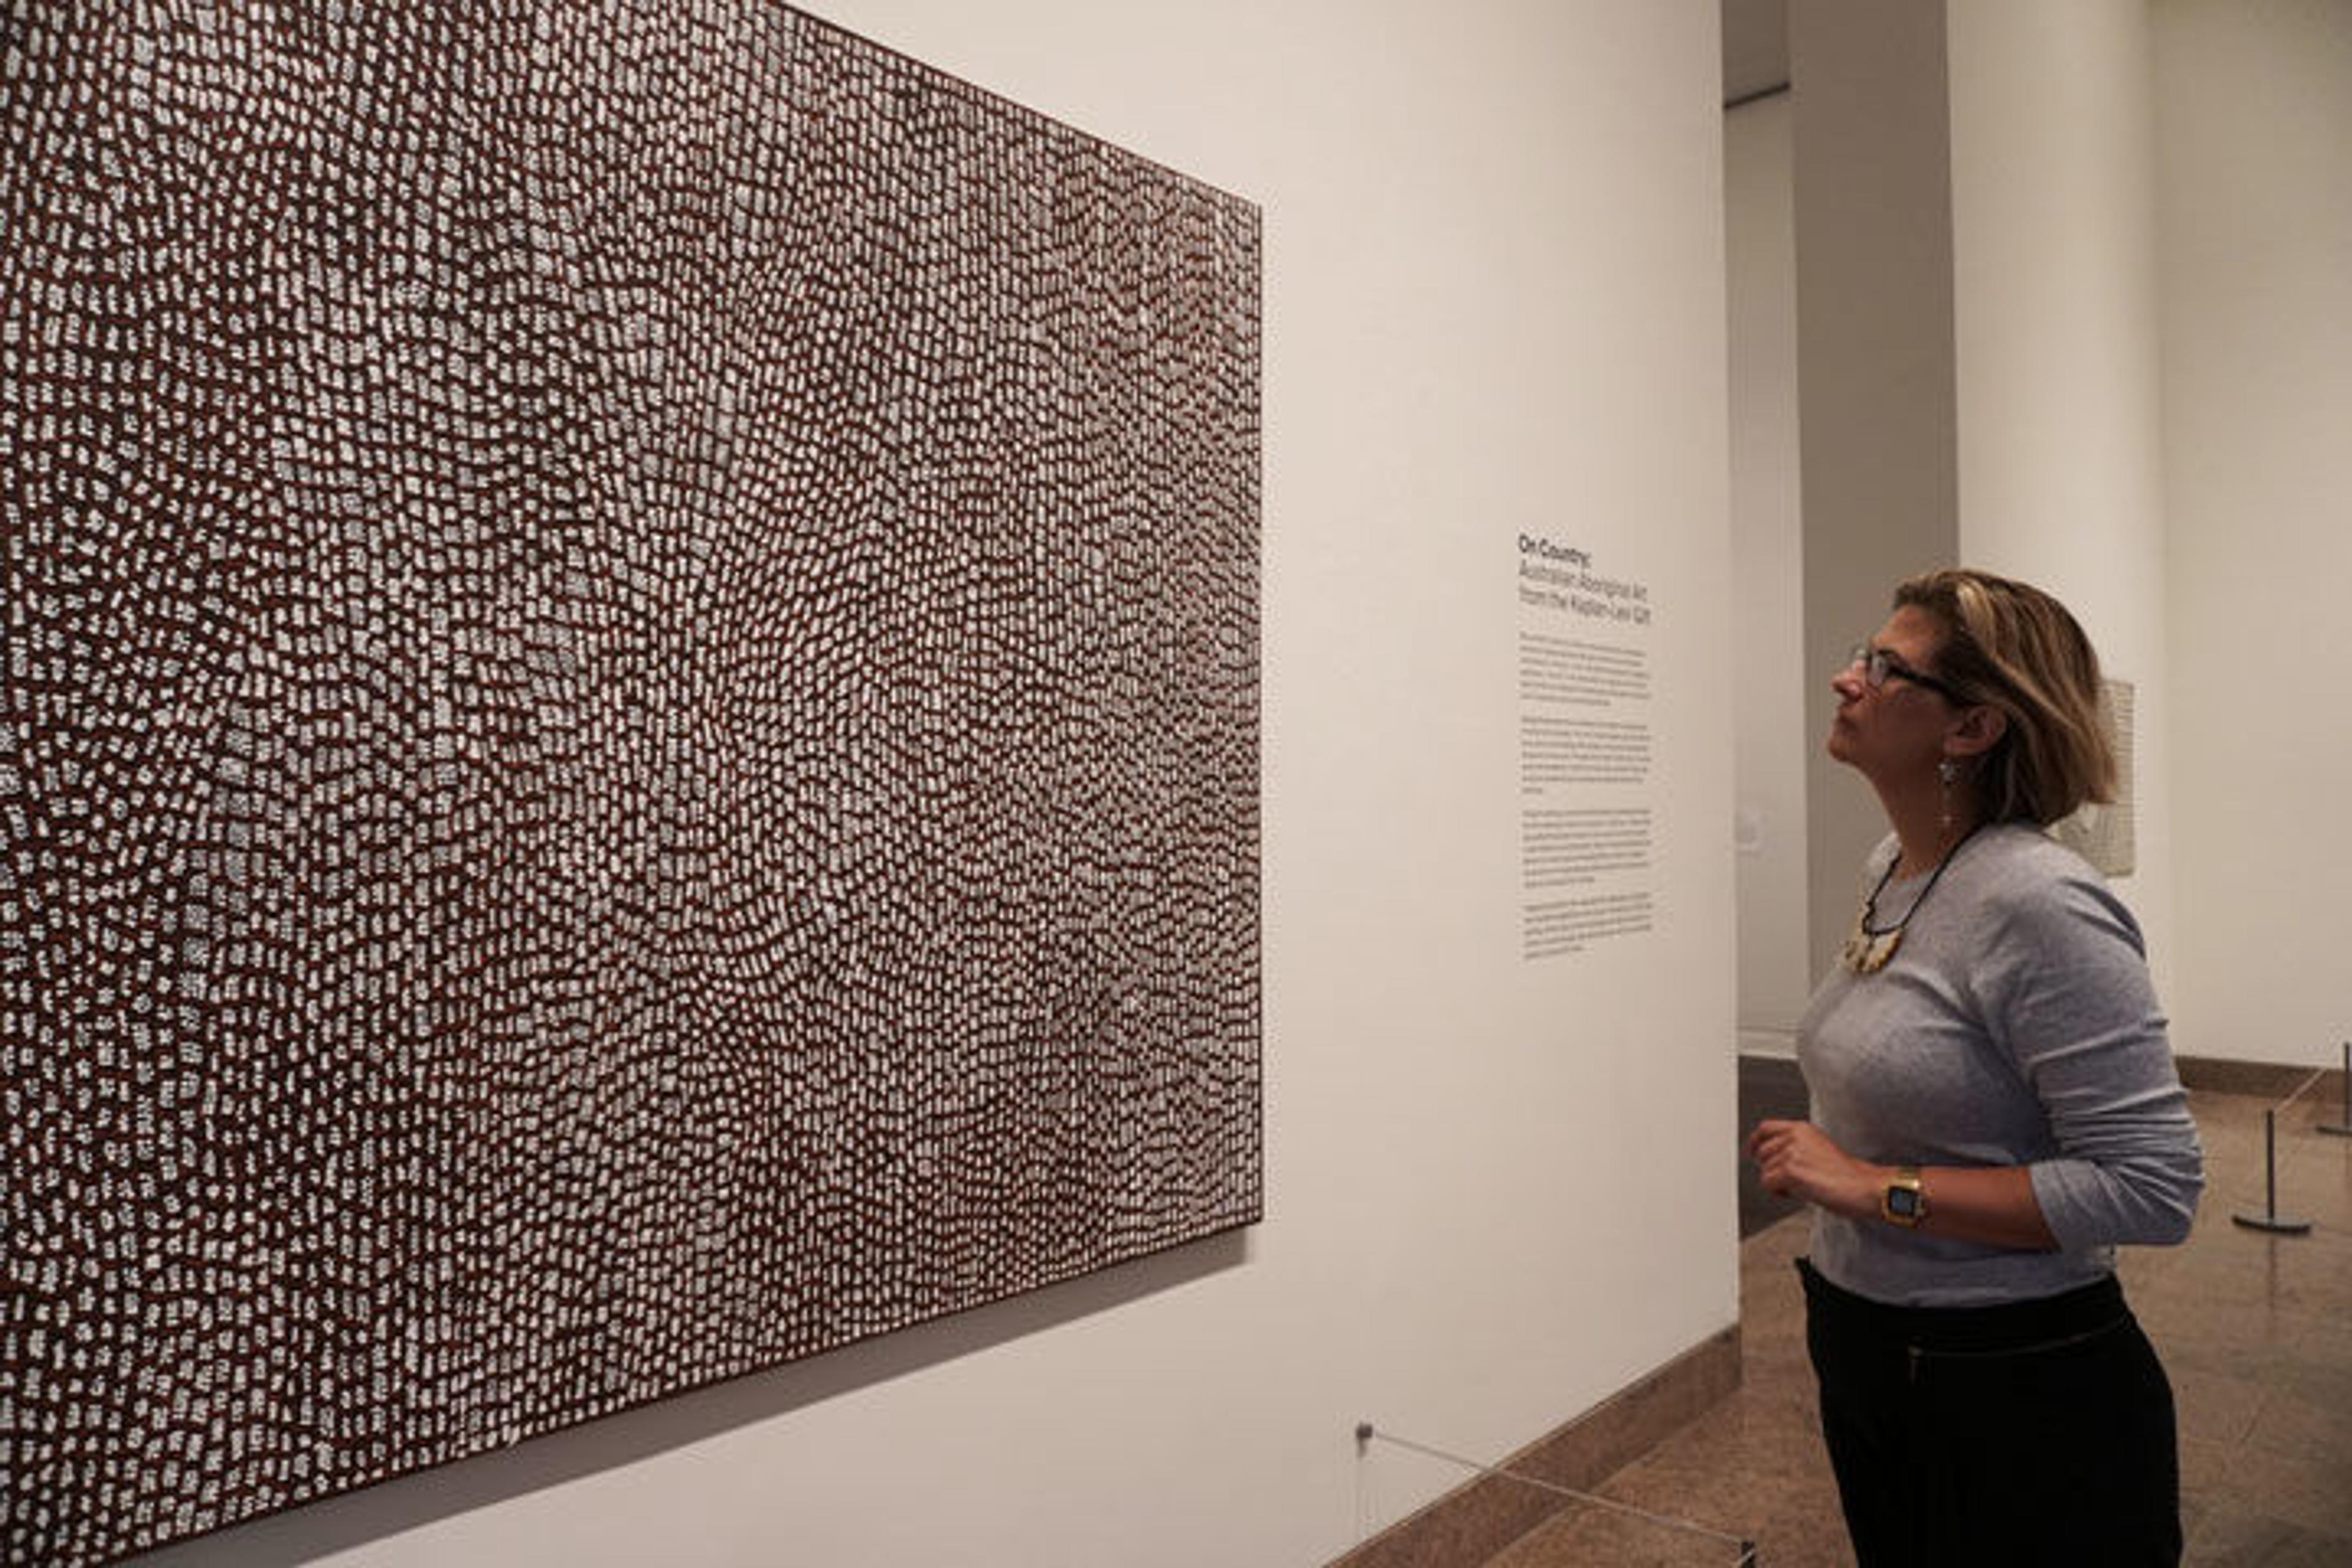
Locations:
(1994, 1110)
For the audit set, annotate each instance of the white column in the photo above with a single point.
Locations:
(2054, 323)
(2254, 162)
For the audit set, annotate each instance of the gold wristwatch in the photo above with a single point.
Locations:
(1904, 1199)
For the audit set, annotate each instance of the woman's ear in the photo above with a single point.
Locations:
(1977, 730)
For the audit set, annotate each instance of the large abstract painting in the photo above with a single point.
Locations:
(631, 725)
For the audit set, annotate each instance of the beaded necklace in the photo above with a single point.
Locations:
(1869, 949)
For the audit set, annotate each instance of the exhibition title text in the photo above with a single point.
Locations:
(1557, 576)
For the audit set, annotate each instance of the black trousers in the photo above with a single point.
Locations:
(2029, 1433)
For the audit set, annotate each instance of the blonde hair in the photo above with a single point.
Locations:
(2012, 647)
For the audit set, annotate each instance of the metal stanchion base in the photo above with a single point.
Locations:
(2272, 1223)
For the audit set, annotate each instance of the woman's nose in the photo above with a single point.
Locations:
(1848, 682)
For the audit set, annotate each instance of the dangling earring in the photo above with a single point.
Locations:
(1948, 773)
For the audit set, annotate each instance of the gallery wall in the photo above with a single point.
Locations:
(1496, 1186)
(1870, 169)
(2254, 141)
(1775, 744)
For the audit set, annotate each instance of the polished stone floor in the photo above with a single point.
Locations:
(2255, 1329)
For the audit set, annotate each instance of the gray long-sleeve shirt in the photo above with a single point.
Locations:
(2016, 1026)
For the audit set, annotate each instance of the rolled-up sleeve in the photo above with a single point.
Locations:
(2068, 994)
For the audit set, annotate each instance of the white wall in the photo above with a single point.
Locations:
(2254, 205)
(1773, 744)
(2054, 329)
(1872, 173)
(1498, 1192)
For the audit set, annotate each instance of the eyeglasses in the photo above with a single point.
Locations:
(1879, 667)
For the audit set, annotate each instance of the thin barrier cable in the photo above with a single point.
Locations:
(1366, 1432)
(2270, 1220)
(2343, 1129)
(2304, 1087)
(2295, 1151)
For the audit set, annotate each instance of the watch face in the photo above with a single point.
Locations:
(1902, 1201)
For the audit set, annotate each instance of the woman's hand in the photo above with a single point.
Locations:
(1797, 1160)
(1992, 1205)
